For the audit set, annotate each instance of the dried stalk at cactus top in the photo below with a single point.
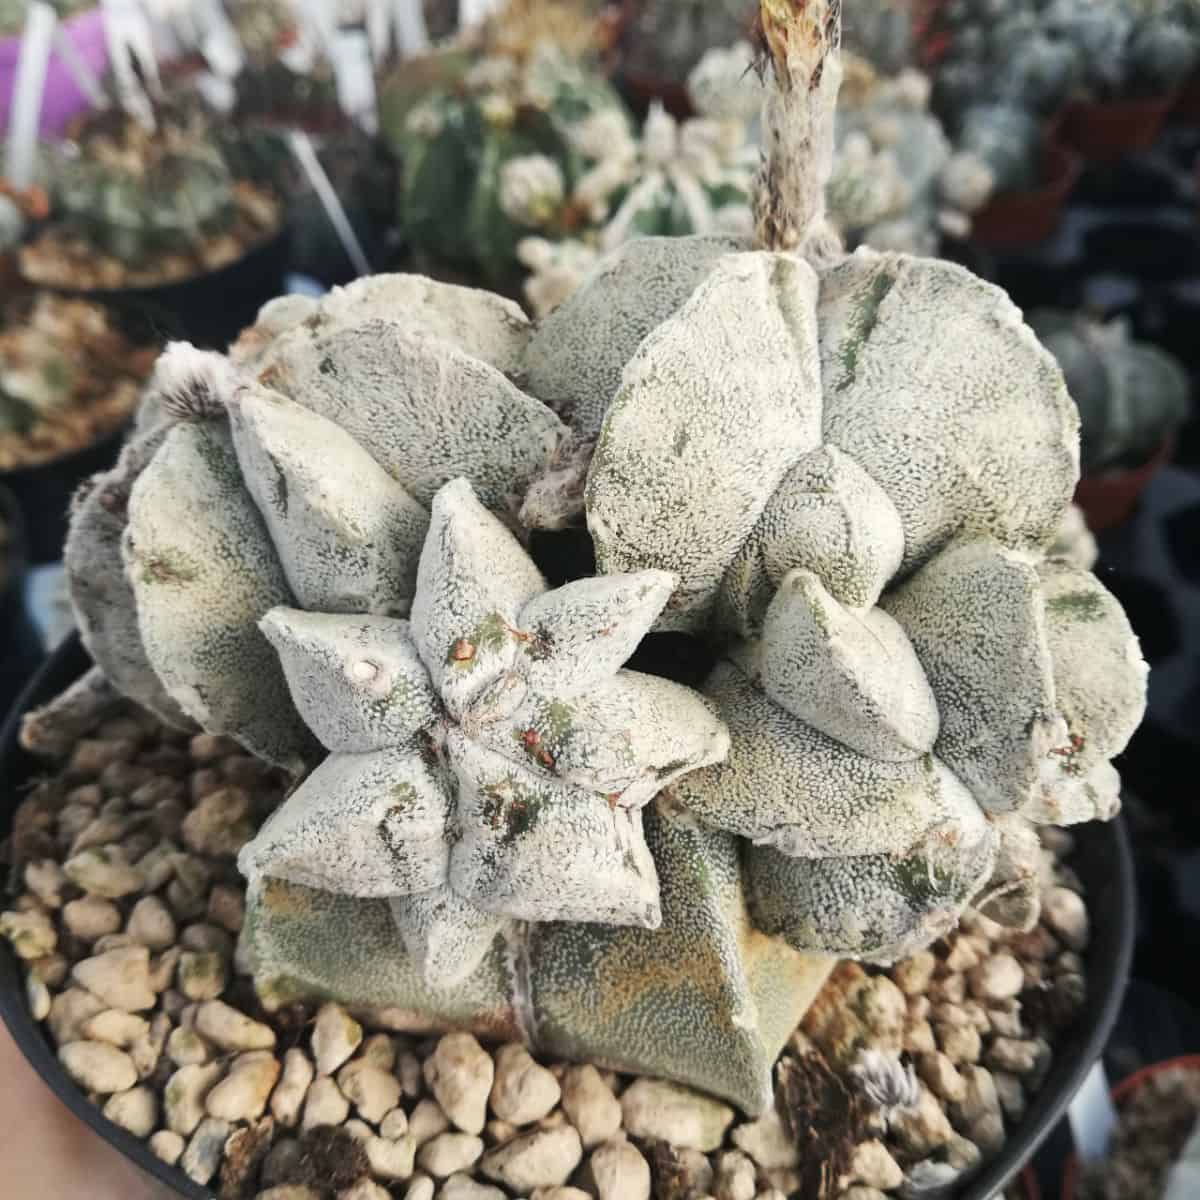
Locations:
(808, 469)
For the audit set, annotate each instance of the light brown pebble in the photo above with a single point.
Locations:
(912, 975)
(391, 1158)
(364, 1189)
(408, 1071)
(68, 1011)
(135, 1110)
(959, 1043)
(37, 996)
(112, 941)
(1009, 1054)
(227, 907)
(167, 1146)
(523, 1091)
(203, 1154)
(496, 1132)
(116, 1027)
(336, 1035)
(232, 1030)
(358, 1130)
(98, 1067)
(962, 956)
(420, 1188)
(1011, 1095)
(201, 974)
(91, 917)
(462, 1187)
(664, 1111)
(558, 1193)
(918, 1038)
(102, 830)
(121, 977)
(151, 923)
(31, 934)
(767, 1142)
(998, 978)
(52, 969)
(426, 1121)
(537, 1159)
(379, 1050)
(185, 1093)
(449, 1153)
(949, 989)
(372, 1090)
(962, 1154)
(1064, 911)
(618, 1171)
(324, 1105)
(219, 825)
(590, 1105)
(394, 1124)
(920, 1130)
(242, 1095)
(147, 1049)
(978, 1099)
(918, 1007)
(977, 1015)
(288, 1097)
(46, 880)
(104, 871)
(460, 1074)
(941, 1075)
(872, 1165)
(203, 937)
(186, 1046)
(157, 866)
(289, 1191)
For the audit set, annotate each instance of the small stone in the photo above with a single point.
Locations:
(358, 1130)
(201, 975)
(52, 969)
(31, 933)
(1011, 1094)
(523, 1091)
(618, 1171)
(244, 1153)
(920, 1130)
(288, 1097)
(962, 956)
(977, 1015)
(121, 978)
(912, 975)
(242, 1095)
(37, 996)
(590, 1105)
(185, 1093)
(103, 871)
(541, 1158)
(767, 1142)
(116, 1027)
(364, 1189)
(997, 978)
(460, 1075)
(462, 1187)
(979, 1097)
(147, 1049)
(232, 1030)
(203, 1154)
(391, 1158)
(949, 989)
(1064, 911)
(186, 1047)
(497, 1132)
(46, 880)
(918, 1038)
(336, 1035)
(394, 1124)
(227, 907)
(959, 1043)
(219, 824)
(559, 1193)
(91, 917)
(695, 1172)
(162, 970)
(324, 1105)
(68, 1011)
(135, 1110)
(151, 923)
(962, 1154)
(112, 941)
(987, 1133)
(408, 1069)
(663, 1111)
(1009, 1054)
(873, 1165)
(289, 1191)
(372, 1090)
(941, 1076)
(98, 1067)
(102, 830)
(379, 1050)
(449, 1153)
(421, 1188)
(204, 938)
(861, 1192)
(426, 1121)
(167, 1146)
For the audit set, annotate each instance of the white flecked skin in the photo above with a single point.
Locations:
(814, 469)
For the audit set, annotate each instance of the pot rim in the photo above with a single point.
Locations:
(1126, 1087)
(1108, 968)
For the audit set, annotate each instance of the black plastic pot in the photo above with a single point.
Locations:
(1102, 861)
(1159, 251)
(209, 310)
(20, 647)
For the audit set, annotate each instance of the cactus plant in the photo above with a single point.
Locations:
(314, 545)
(520, 136)
(666, 39)
(13, 13)
(133, 205)
(67, 375)
(1132, 397)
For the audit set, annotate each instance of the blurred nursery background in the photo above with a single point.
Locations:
(171, 165)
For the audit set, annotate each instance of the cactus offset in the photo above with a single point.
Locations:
(319, 553)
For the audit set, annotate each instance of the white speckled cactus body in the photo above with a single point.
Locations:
(803, 474)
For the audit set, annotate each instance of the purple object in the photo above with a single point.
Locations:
(62, 99)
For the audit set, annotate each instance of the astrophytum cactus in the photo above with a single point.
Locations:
(794, 466)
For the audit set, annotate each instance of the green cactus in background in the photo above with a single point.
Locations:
(1132, 397)
(667, 38)
(13, 12)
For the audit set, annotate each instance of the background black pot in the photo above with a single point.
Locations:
(1102, 861)
(210, 309)
(20, 647)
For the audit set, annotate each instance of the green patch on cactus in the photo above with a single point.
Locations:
(922, 881)
(1077, 606)
(862, 324)
(168, 568)
(511, 808)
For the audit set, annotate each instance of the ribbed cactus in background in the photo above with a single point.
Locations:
(506, 136)
(507, 819)
(1132, 396)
